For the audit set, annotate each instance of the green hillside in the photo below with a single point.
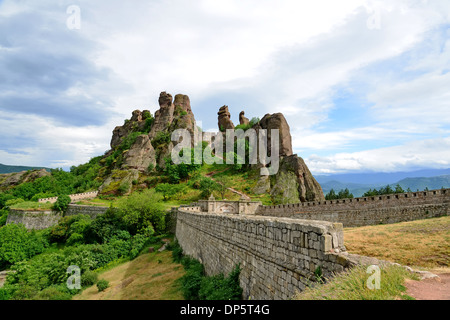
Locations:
(419, 183)
(423, 183)
(12, 169)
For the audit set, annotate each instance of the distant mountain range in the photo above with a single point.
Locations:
(11, 169)
(359, 183)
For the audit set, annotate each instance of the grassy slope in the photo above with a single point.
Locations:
(424, 244)
(151, 276)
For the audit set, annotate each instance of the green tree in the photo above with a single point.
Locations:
(168, 190)
(223, 183)
(17, 244)
(207, 186)
(345, 194)
(142, 211)
(399, 189)
(62, 203)
(331, 195)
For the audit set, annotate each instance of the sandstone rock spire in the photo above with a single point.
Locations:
(224, 119)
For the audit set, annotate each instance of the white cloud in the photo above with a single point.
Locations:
(412, 155)
(38, 141)
(287, 56)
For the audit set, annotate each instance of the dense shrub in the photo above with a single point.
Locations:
(5, 197)
(3, 216)
(72, 230)
(169, 190)
(107, 225)
(62, 203)
(17, 244)
(196, 286)
(102, 285)
(142, 212)
(192, 280)
(54, 292)
(5, 294)
(89, 278)
(220, 287)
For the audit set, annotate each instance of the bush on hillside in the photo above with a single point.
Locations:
(102, 285)
(18, 244)
(62, 203)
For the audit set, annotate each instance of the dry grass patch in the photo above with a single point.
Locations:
(422, 243)
(352, 285)
(148, 277)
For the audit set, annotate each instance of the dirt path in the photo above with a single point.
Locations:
(437, 288)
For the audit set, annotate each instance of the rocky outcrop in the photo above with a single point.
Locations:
(242, 119)
(163, 116)
(224, 118)
(307, 186)
(13, 179)
(293, 182)
(183, 118)
(141, 154)
(136, 123)
(152, 140)
(277, 121)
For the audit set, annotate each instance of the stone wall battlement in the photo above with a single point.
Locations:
(39, 220)
(278, 256)
(73, 197)
(409, 198)
(368, 210)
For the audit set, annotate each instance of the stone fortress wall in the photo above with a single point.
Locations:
(73, 197)
(34, 220)
(278, 256)
(371, 210)
(280, 247)
(39, 220)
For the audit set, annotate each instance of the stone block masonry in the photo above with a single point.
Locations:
(371, 210)
(278, 256)
(91, 211)
(39, 220)
(73, 197)
(33, 220)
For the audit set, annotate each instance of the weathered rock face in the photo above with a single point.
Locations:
(277, 121)
(292, 183)
(12, 179)
(136, 123)
(183, 118)
(242, 119)
(308, 188)
(150, 149)
(224, 118)
(140, 155)
(163, 116)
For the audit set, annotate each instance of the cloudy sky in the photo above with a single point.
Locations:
(364, 85)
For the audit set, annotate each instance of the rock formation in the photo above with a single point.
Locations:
(152, 140)
(277, 121)
(224, 118)
(144, 142)
(8, 180)
(294, 182)
(163, 116)
(242, 119)
(136, 123)
(140, 155)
